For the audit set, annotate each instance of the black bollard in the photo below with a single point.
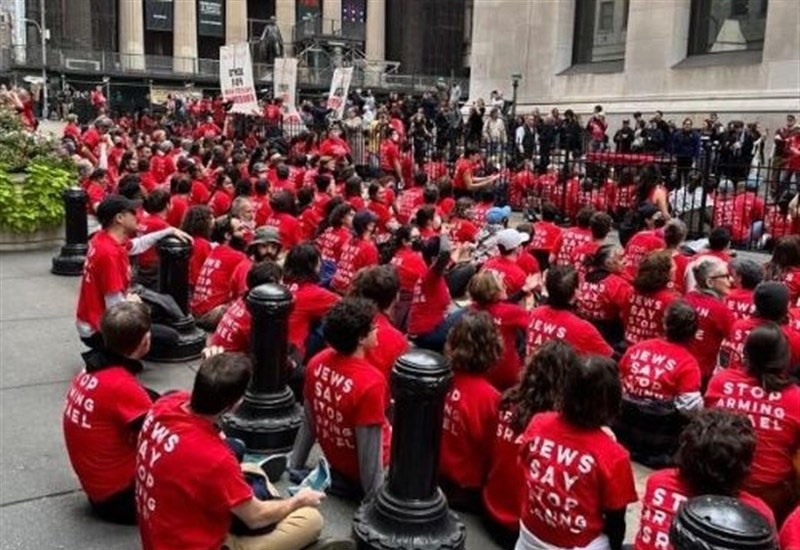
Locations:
(723, 523)
(269, 417)
(174, 255)
(410, 512)
(73, 253)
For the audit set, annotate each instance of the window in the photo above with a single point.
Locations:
(600, 28)
(719, 26)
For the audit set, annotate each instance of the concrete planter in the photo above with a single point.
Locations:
(38, 240)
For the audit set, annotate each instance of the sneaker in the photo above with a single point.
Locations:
(319, 479)
(274, 466)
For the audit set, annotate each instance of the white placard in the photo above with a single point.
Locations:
(285, 87)
(236, 78)
(340, 87)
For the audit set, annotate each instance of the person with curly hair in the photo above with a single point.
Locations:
(784, 266)
(643, 312)
(765, 393)
(538, 391)
(470, 410)
(578, 479)
(345, 404)
(714, 456)
(198, 223)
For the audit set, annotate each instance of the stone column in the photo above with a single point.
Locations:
(331, 16)
(131, 34)
(376, 30)
(286, 15)
(184, 36)
(235, 21)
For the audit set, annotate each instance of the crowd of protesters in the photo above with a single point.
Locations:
(550, 331)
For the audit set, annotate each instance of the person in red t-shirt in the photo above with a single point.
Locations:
(747, 274)
(674, 237)
(390, 156)
(333, 238)
(152, 219)
(538, 391)
(644, 242)
(359, 252)
(784, 265)
(600, 226)
(603, 293)
(470, 409)
(95, 189)
(283, 207)
(410, 266)
(464, 182)
(572, 237)
(198, 223)
(311, 301)
(105, 407)
(790, 532)
(106, 273)
(189, 485)
(345, 403)
(579, 481)
(266, 245)
(221, 198)
(461, 228)
(180, 186)
(555, 321)
(545, 235)
(713, 282)
(643, 312)
(714, 456)
(488, 294)
(380, 285)
(771, 400)
(212, 293)
(518, 283)
(378, 206)
(663, 369)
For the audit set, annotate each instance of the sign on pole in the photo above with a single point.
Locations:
(236, 78)
(285, 84)
(340, 87)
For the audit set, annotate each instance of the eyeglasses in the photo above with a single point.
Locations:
(725, 275)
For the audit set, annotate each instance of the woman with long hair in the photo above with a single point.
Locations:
(643, 312)
(198, 223)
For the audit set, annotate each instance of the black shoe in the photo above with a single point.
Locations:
(274, 466)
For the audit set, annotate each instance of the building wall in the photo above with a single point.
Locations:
(535, 38)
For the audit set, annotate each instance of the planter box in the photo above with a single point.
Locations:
(38, 240)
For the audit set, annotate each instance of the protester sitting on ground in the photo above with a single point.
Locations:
(674, 237)
(747, 274)
(556, 321)
(189, 484)
(152, 219)
(643, 242)
(345, 404)
(545, 235)
(643, 312)
(784, 266)
(462, 229)
(539, 390)
(572, 237)
(380, 285)
(212, 293)
(719, 241)
(233, 333)
(600, 226)
(359, 252)
(333, 239)
(283, 208)
(265, 245)
(568, 457)
(603, 293)
(220, 201)
(712, 282)
(105, 407)
(509, 246)
(714, 457)
(198, 222)
(406, 258)
(106, 273)
(470, 411)
(488, 293)
(765, 393)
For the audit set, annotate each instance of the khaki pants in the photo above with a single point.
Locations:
(297, 530)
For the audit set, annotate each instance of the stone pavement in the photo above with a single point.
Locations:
(41, 503)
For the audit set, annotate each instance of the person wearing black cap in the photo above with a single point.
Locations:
(359, 252)
(106, 273)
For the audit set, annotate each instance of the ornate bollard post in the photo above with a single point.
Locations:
(723, 523)
(410, 512)
(173, 280)
(73, 253)
(269, 417)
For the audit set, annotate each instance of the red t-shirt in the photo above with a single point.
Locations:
(311, 303)
(463, 167)
(389, 155)
(664, 493)
(731, 351)
(331, 242)
(658, 369)
(101, 443)
(510, 273)
(239, 277)
(106, 271)
(288, 228)
(410, 267)
(747, 207)
(233, 330)
(505, 483)
(345, 393)
(429, 303)
(681, 262)
(391, 344)
(198, 194)
(776, 419)
(356, 254)
(149, 223)
(740, 302)
(547, 323)
(187, 480)
(462, 231)
(178, 205)
(640, 245)
(573, 475)
(510, 319)
(381, 212)
(579, 254)
(407, 203)
(480, 211)
(714, 322)
(201, 248)
(643, 314)
(94, 195)
(528, 263)
(603, 300)
(545, 236)
(790, 532)
(220, 203)
(570, 239)
(470, 416)
(213, 287)
(791, 278)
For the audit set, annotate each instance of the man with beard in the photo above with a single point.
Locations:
(266, 245)
(107, 271)
(212, 293)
